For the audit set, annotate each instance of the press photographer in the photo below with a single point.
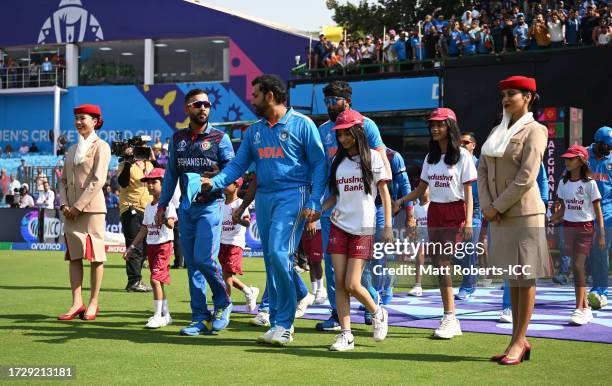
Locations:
(137, 160)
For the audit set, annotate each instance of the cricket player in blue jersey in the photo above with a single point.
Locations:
(338, 97)
(291, 178)
(601, 166)
(196, 152)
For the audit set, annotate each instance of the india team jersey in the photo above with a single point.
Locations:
(287, 155)
(446, 181)
(578, 198)
(355, 211)
(158, 234)
(602, 174)
(232, 234)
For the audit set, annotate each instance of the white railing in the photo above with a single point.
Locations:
(22, 77)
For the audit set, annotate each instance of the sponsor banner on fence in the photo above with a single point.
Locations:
(38, 247)
(20, 227)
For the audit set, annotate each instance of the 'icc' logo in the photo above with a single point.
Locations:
(69, 24)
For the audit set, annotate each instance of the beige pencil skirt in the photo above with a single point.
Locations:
(85, 237)
(520, 242)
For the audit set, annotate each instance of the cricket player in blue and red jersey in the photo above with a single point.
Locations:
(197, 152)
(291, 178)
(600, 162)
(338, 97)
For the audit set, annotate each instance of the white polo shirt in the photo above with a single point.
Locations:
(158, 234)
(578, 198)
(232, 234)
(446, 182)
(355, 211)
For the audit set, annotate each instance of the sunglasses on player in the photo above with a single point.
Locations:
(200, 104)
(465, 143)
(332, 101)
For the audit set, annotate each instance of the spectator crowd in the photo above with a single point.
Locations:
(489, 27)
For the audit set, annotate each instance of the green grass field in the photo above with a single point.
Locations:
(116, 349)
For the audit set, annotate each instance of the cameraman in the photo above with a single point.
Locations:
(133, 198)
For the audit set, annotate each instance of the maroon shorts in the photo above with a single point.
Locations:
(313, 247)
(578, 237)
(445, 222)
(158, 256)
(353, 246)
(230, 258)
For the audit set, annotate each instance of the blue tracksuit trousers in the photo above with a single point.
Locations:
(200, 237)
(280, 229)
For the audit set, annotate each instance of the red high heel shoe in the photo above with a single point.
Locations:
(497, 358)
(91, 317)
(80, 312)
(525, 355)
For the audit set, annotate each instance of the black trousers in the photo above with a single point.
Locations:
(131, 220)
(178, 256)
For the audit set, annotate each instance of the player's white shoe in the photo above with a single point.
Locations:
(449, 327)
(416, 291)
(506, 315)
(262, 319)
(282, 336)
(168, 319)
(580, 317)
(156, 321)
(320, 295)
(380, 323)
(303, 305)
(344, 341)
(251, 299)
(267, 337)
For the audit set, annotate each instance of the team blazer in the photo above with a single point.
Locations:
(509, 182)
(81, 185)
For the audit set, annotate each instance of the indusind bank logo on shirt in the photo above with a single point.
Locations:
(574, 204)
(441, 181)
(351, 184)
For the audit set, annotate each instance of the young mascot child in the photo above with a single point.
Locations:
(232, 246)
(580, 205)
(420, 215)
(357, 172)
(159, 248)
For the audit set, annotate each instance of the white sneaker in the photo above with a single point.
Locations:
(381, 325)
(168, 319)
(267, 337)
(282, 336)
(156, 321)
(581, 317)
(506, 315)
(251, 299)
(303, 305)
(320, 296)
(449, 327)
(416, 291)
(344, 341)
(262, 319)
